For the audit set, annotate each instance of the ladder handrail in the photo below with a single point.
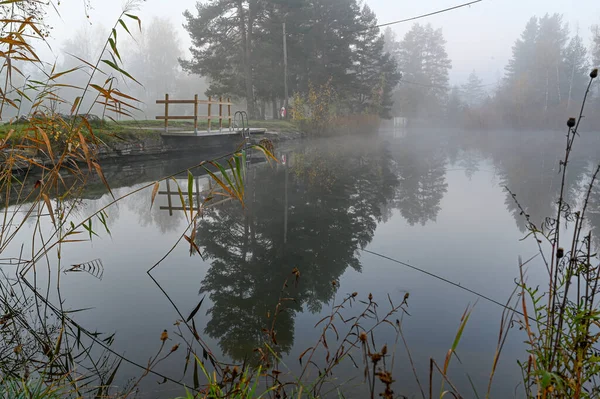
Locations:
(245, 130)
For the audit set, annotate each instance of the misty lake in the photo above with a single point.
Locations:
(433, 199)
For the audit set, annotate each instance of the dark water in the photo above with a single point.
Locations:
(435, 200)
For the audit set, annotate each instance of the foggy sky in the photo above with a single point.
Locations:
(478, 37)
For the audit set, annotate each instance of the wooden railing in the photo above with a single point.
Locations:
(198, 195)
(196, 116)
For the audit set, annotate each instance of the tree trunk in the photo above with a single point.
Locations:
(558, 85)
(571, 87)
(246, 33)
(274, 104)
(252, 5)
(547, 84)
(263, 110)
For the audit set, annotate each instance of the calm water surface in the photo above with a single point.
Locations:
(435, 200)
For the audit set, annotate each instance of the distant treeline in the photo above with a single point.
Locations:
(237, 52)
(237, 45)
(544, 81)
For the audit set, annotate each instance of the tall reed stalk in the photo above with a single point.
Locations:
(561, 323)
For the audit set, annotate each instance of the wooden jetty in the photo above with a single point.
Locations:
(210, 117)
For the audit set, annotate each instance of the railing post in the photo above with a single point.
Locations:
(220, 114)
(229, 112)
(166, 113)
(196, 114)
(169, 198)
(209, 106)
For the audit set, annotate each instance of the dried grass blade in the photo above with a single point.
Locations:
(154, 192)
(101, 174)
(46, 141)
(193, 244)
(75, 104)
(49, 206)
(86, 150)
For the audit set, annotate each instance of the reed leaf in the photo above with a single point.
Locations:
(154, 192)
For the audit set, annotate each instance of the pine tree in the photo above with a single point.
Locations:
(520, 86)
(238, 45)
(424, 65)
(437, 64)
(389, 78)
(267, 57)
(473, 92)
(267, 54)
(327, 41)
(550, 44)
(595, 54)
(575, 68)
(390, 42)
(523, 52)
(374, 71)
(222, 46)
(595, 45)
(540, 75)
(455, 106)
(367, 50)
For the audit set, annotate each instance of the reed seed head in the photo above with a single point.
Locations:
(560, 252)
(571, 122)
(376, 357)
(384, 350)
(363, 337)
(370, 297)
(385, 377)
(594, 73)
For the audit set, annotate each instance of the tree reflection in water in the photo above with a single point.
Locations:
(334, 201)
(317, 211)
(421, 169)
(528, 163)
(593, 214)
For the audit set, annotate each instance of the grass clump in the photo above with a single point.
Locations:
(31, 389)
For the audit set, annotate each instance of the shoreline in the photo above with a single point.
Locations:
(154, 144)
(133, 144)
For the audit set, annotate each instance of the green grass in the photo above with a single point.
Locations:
(32, 389)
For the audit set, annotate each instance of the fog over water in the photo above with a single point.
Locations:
(414, 161)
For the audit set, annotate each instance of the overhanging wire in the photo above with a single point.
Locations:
(418, 16)
(487, 298)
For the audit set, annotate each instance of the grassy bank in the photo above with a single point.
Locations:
(137, 129)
